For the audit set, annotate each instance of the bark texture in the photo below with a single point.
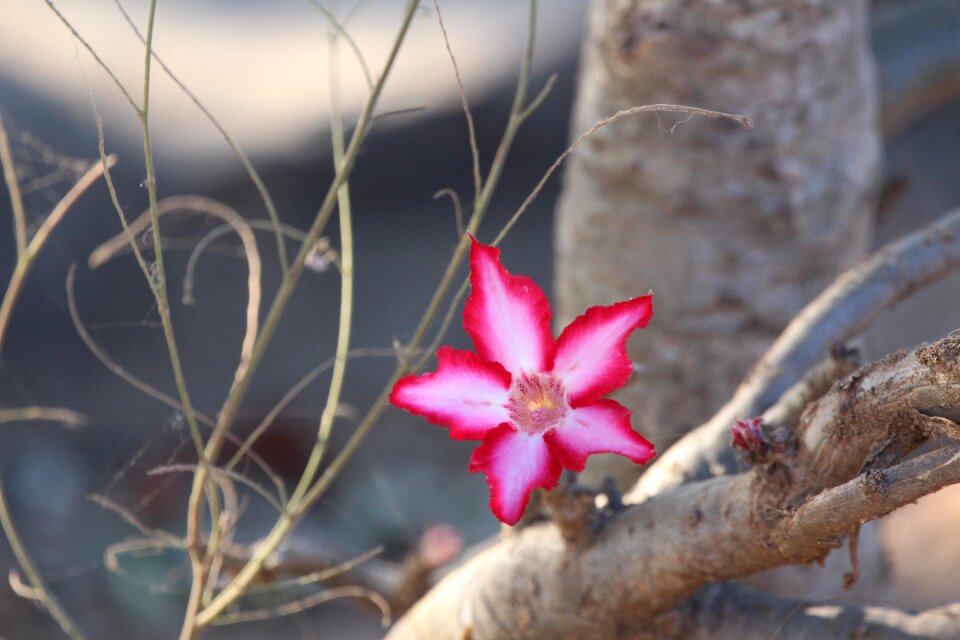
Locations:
(734, 230)
(843, 310)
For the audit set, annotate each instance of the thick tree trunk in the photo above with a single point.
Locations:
(733, 229)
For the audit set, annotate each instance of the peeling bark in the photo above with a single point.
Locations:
(734, 230)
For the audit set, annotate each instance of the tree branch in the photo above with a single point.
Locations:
(793, 507)
(844, 310)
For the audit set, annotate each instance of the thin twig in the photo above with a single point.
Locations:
(291, 394)
(127, 516)
(624, 113)
(247, 482)
(199, 204)
(228, 413)
(345, 323)
(343, 33)
(103, 65)
(87, 180)
(13, 189)
(319, 576)
(471, 129)
(111, 555)
(67, 417)
(41, 592)
(241, 156)
(213, 235)
(310, 601)
(457, 209)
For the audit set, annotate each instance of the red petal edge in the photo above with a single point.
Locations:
(507, 316)
(602, 427)
(466, 394)
(515, 464)
(592, 355)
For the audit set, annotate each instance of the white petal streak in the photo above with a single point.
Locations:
(592, 355)
(603, 427)
(466, 394)
(507, 316)
(515, 463)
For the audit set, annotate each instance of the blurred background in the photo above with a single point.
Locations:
(262, 68)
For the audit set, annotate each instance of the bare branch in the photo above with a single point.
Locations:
(303, 562)
(127, 516)
(471, 129)
(303, 604)
(217, 471)
(68, 417)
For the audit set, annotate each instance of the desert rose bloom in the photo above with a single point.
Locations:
(535, 402)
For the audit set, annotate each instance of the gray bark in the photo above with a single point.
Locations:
(733, 229)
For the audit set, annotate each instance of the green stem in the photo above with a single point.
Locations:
(41, 591)
(346, 288)
(158, 284)
(12, 295)
(13, 188)
(26, 255)
(228, 414)
(241, 156)
(67, 417)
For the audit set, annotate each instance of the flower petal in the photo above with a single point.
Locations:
(507, 316)
(515, 464)
(592, 355)
(466, 394)
(603, 427)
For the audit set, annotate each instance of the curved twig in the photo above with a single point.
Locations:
(310, 601)
(217, 471)
(217, 232)
(149, 389)
(108, 249)
(241, 156)
(67, 417)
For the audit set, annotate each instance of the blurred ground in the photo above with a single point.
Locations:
(408, 475)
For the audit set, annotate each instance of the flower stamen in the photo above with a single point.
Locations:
(537, 403)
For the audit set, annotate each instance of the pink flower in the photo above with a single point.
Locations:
(535, 402)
